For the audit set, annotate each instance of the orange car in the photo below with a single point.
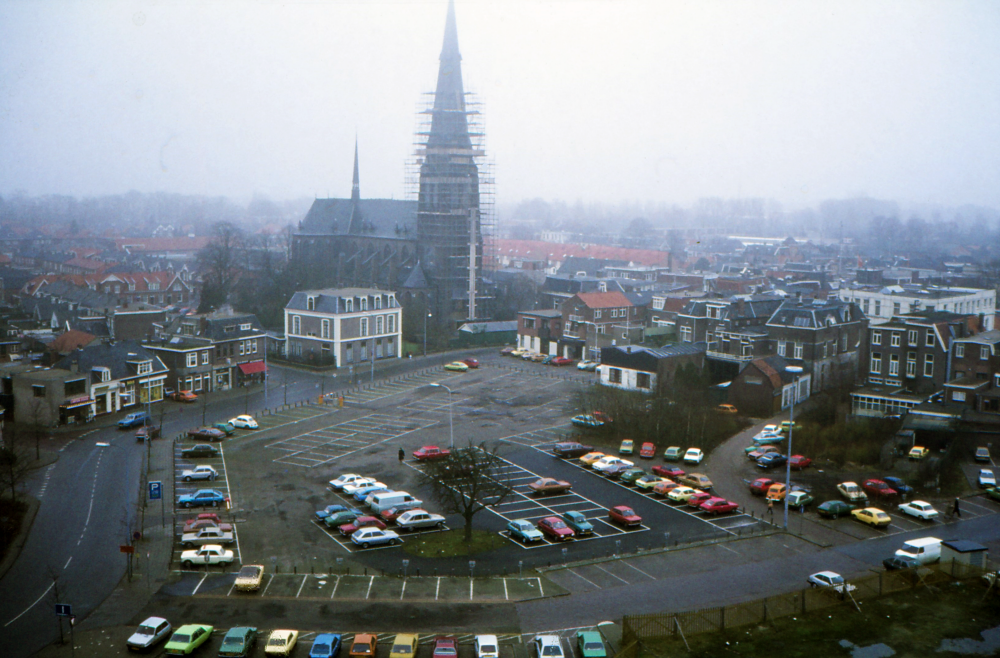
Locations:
(664, 487)
(364, 645)
(185, 396)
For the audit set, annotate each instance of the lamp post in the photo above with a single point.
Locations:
(451, 422)
(429, 314)
(797, 371)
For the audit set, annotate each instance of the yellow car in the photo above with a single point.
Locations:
(404, 645)
(918, 452)
(249, 577)
(647, 482)
(456, 366)
(776, 492)
(681, 494)
(519, 352)
(626, 447)
(786, 425)
(872, 516)
(281, 643)
(591, 457)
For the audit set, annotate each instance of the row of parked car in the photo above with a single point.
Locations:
(547, 359)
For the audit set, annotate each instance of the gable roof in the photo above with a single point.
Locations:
(116, 357)
(384, 218)
(604, 299)
(70, 340)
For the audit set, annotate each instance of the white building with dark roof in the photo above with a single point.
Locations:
(881, 303)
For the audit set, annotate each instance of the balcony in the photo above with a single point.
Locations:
(726, 356)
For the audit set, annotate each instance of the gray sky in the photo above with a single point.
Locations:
(645, 100)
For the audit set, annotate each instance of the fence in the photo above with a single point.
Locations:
(636, 628)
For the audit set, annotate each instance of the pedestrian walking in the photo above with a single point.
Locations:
(402, 455)
(958, 512)
(770, 507)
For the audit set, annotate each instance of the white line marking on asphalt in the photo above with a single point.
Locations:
(506, 598)
(67, 562)
(268, 585)
(638, 569)
(370, 583)
(437, 589)
(231, 589)
(198, 586)
(470, 588)
(541, 590)
(611, 574)
(303, 584)
(731, 550)
(335, 586)
(581, 578)
(31, 606)
(403, 591)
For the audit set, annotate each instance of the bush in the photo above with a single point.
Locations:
(858, 442)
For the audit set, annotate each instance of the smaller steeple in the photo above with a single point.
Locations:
(357, 222)
(356, 184)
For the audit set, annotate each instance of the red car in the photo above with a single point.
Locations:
(668, 471)
(445, 647)
(647, 451)
(506, 351)
(389, 515)
(561, 361)
(798, 462)
(601, 416)
(430, 452)
(623, 515)
(349, 529)
(878, 489)
(760, 486)
(555, 528)
(719, 506)
(699, 498)
(205, 520)
(546, 486)
(472, 363)
(185, 396)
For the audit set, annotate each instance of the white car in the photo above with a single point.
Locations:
(244, 422)
(919, 509)
(418, 518)
(547, 646)
(360, 483)
(150, 632)
(200, 472)
(346, 479)
(606, 462)
(987, 479)
(281, 643)
(207, 535)
(829, 579)
(487, 646)
(207, 554)
(770, 429)
(371, 536)
(693, 456)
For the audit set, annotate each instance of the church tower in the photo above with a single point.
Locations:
(449, 229)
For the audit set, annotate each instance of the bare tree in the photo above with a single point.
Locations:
(219, 260)
(39, 417)
(468, 481)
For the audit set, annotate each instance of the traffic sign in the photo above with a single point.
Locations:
(155, 490)
(64, 610)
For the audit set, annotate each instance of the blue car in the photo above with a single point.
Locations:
(898, 485)
(332, 509)
(202, 498)
(524, 531)
(326, 645)
(578, 523)
(771, 460)
(136, 419)
(363, 492)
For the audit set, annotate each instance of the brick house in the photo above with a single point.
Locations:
(975, 370)
(647, 370)
(121, 374)
(539, 331)
(595, 320)
(343, 326)
(764, 387)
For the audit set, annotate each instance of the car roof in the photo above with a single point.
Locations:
(152, 621)
(404, 637)
(827, 573)
(487, 638)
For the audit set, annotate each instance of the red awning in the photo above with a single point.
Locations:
(253, 367)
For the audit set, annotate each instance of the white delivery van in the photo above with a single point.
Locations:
(926, 550)
(398, 499)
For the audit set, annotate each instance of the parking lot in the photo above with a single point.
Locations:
(182, 487)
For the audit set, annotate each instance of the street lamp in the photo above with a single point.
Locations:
(797, 371)
(451, 422)
(429, 314)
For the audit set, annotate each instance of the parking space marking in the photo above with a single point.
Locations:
(611, 574)
(301, 586)
(269, 581)
(437, 589)
(196, 587)
(325, 445)
(731, 550)
(370, 583)
(403, 591)
(632, 566)
(335, 586)
(572, 571)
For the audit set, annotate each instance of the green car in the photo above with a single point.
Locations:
(800, 499)
(187, 638)
(833, 509)
(631, 475)
(673, 454)
(238, 641)
(578, 523)
(339, 518)
(590, 644)
(993, 492)
(225, 427)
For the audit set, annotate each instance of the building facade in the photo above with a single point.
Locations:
(881, 304)
(592, 321)
(539, 331)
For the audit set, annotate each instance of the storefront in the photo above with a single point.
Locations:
(253, 372)
(76, 410)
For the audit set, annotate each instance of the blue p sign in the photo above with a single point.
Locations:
(155, 490)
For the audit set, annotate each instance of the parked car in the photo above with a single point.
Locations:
(456, 366)
(149, 633)
(919, 509)
(987, 479)
(321, 514)
(147, 431)
(561, 361)
(524, 531)
(771, 460)
(244, 422)
(281, 642)
(404, 645)
(578, 523)
(208, 554)
(206, 434)
(898, 484)
(134, 420)
(200, 472)
(786, 425)
(673, 454)
(664, 487)
(918, 453)
(486, 646)
(470, 362)
(364, 645)
(205, 519)
(756, 452)
(626, 447)
(547, 486)
(647, 481)
(590, 644)
(624, 515)
(365, 521)
(878, 489)
(719, 506)
(415, 519)
(589, 366)
(361, 494)
(390, 515)
(428, 453)
(829, 579)
(776, 492)
(800, 499)
(872, 516)
(366, 537)
(647, 451)
(506, 351)
(326, 645)
(207, 535)
(569, 449)
(203, 498)
(184, 396)
(547, 646)
(200, 450)
(760, 486)
(982, 454)
(603, 464)
(693, 456)
(765, 437)
(993, 492)
(555, 528)
(798, 462)
(337, 519)
(187, 638)
(360, 483)
(344, 480)
(592, 458)
(681, 494)
(668, 471)
(697, 499)
(630, 475)
(896, 562)
(445, 646)
(238, 641)
(225, 428)
(249, 578)
(852, 492)
(727, 409)
(697, 480)
(834, 509)
(588, 421)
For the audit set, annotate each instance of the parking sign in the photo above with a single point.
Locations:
(64, 610)
(155, 490)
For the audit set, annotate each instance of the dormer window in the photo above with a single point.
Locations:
(310, 303)
(103, 374)
(364, 303)
(378, 303)
(245, 327)
(144, 368)
(348, 305)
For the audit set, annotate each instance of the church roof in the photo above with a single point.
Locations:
(383, 218)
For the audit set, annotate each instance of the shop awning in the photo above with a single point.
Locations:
(253, 367)
(73, 403)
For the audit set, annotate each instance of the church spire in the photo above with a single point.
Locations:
(449, 126)
(357, 223)
(356, 184)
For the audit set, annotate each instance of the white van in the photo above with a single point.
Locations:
(926, 550)
(398, 499)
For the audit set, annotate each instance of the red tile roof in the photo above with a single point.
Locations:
(558, 251)
(70, 340)
(604, 299)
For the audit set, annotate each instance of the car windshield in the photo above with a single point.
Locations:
(551, 651)
(361, 648)
(321, 648)
(445, 651)
(401, 648)
(593, 646)
(181, 638)
(835, 580)
(231, 640)
(145, 630)
(626, 512)
(248, 572)
(487, 648)
(276, 642)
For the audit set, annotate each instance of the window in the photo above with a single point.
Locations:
(392, 324)
(38, 391)
(894, 365)
(204, 358)
(878, 307)
(310, 303)
(911, 364)
(246, 327)
(529, 323)
(928, 365)
(781, 348)
(597, 314)
(615, 375)
(658, 303)
(325, 329)
(895, 308)
(959, 350)
(348, 305)
(364, 352)
(984, 353)
(875, 367)
(144, 368)
(241, 348)
(296, 325)
(685, 334)
(929, 338)
(911, 337)
(642, 380)
(253, 343)
(364, 331)
(349, 352)
(192, 359)
(364, 303)
(896, 338)
(798, 351)
(876, 338)
(958, 396)
(378, 303)
(390, 347)
(378, 324)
